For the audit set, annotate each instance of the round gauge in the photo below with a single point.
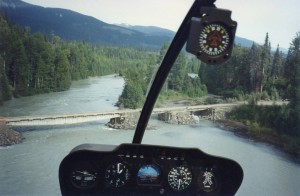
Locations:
(83, 178)
(179, 178)
(214, 39)
(207, 180)
(117, 174)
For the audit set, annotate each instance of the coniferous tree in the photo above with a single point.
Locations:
(290, 67)
(62, 71)
(18, 72)
(255, 68)
(265, 63)
(275, 65)
(203, 73)
(293, 65)
(177, 73)
(132, 96)
(292, 71)
(5, 91)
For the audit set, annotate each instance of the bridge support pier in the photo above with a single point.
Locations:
(181, 118)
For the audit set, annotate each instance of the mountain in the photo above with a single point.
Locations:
(243, 41)
(150, 30)
(71, 25)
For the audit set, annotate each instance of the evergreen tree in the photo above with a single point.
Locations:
(18, 72)
(162, 53)
(202, 73)
(5, 92)
(293, 63)
(62, 71)
(275, 65)
(255, 68)
(132, 96)
(178, 73)
(265, 63)
(289, 67)
(292, 68)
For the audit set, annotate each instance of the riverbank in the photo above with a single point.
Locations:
(8, 136)
(283, 143)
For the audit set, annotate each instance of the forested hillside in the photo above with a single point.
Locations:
(73, 26)
(35, 63)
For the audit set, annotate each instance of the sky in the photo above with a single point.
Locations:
(280, 18)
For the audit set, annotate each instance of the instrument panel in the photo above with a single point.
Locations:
(138, 169)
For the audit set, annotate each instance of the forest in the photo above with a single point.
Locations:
(251, 74)
(34, 63)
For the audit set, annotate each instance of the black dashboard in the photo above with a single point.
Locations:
(139, 169)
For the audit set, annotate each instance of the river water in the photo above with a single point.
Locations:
(31, 168)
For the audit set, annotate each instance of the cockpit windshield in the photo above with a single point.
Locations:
(155, 97)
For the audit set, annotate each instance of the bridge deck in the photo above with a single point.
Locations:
(86, 117)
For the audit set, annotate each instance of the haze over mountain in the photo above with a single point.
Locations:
(71, 25)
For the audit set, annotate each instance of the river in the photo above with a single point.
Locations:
(31, 168)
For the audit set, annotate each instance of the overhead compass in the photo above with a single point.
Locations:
(214, 39)
(211, 37)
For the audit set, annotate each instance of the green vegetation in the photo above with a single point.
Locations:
(32, 63)
(179, 83)
(249, 70)
(281, 121)
(251, 74)
(275, 122)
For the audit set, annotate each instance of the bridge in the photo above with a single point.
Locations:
(87, 117)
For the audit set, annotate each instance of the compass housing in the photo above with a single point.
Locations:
(211, 37)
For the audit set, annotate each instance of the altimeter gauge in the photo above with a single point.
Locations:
(180, 178)
(117, 174)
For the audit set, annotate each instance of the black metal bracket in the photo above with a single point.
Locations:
(166, 65)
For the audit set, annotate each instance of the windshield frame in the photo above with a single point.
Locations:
(166, 65)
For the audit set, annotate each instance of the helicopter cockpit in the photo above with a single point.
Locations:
(143, 169)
